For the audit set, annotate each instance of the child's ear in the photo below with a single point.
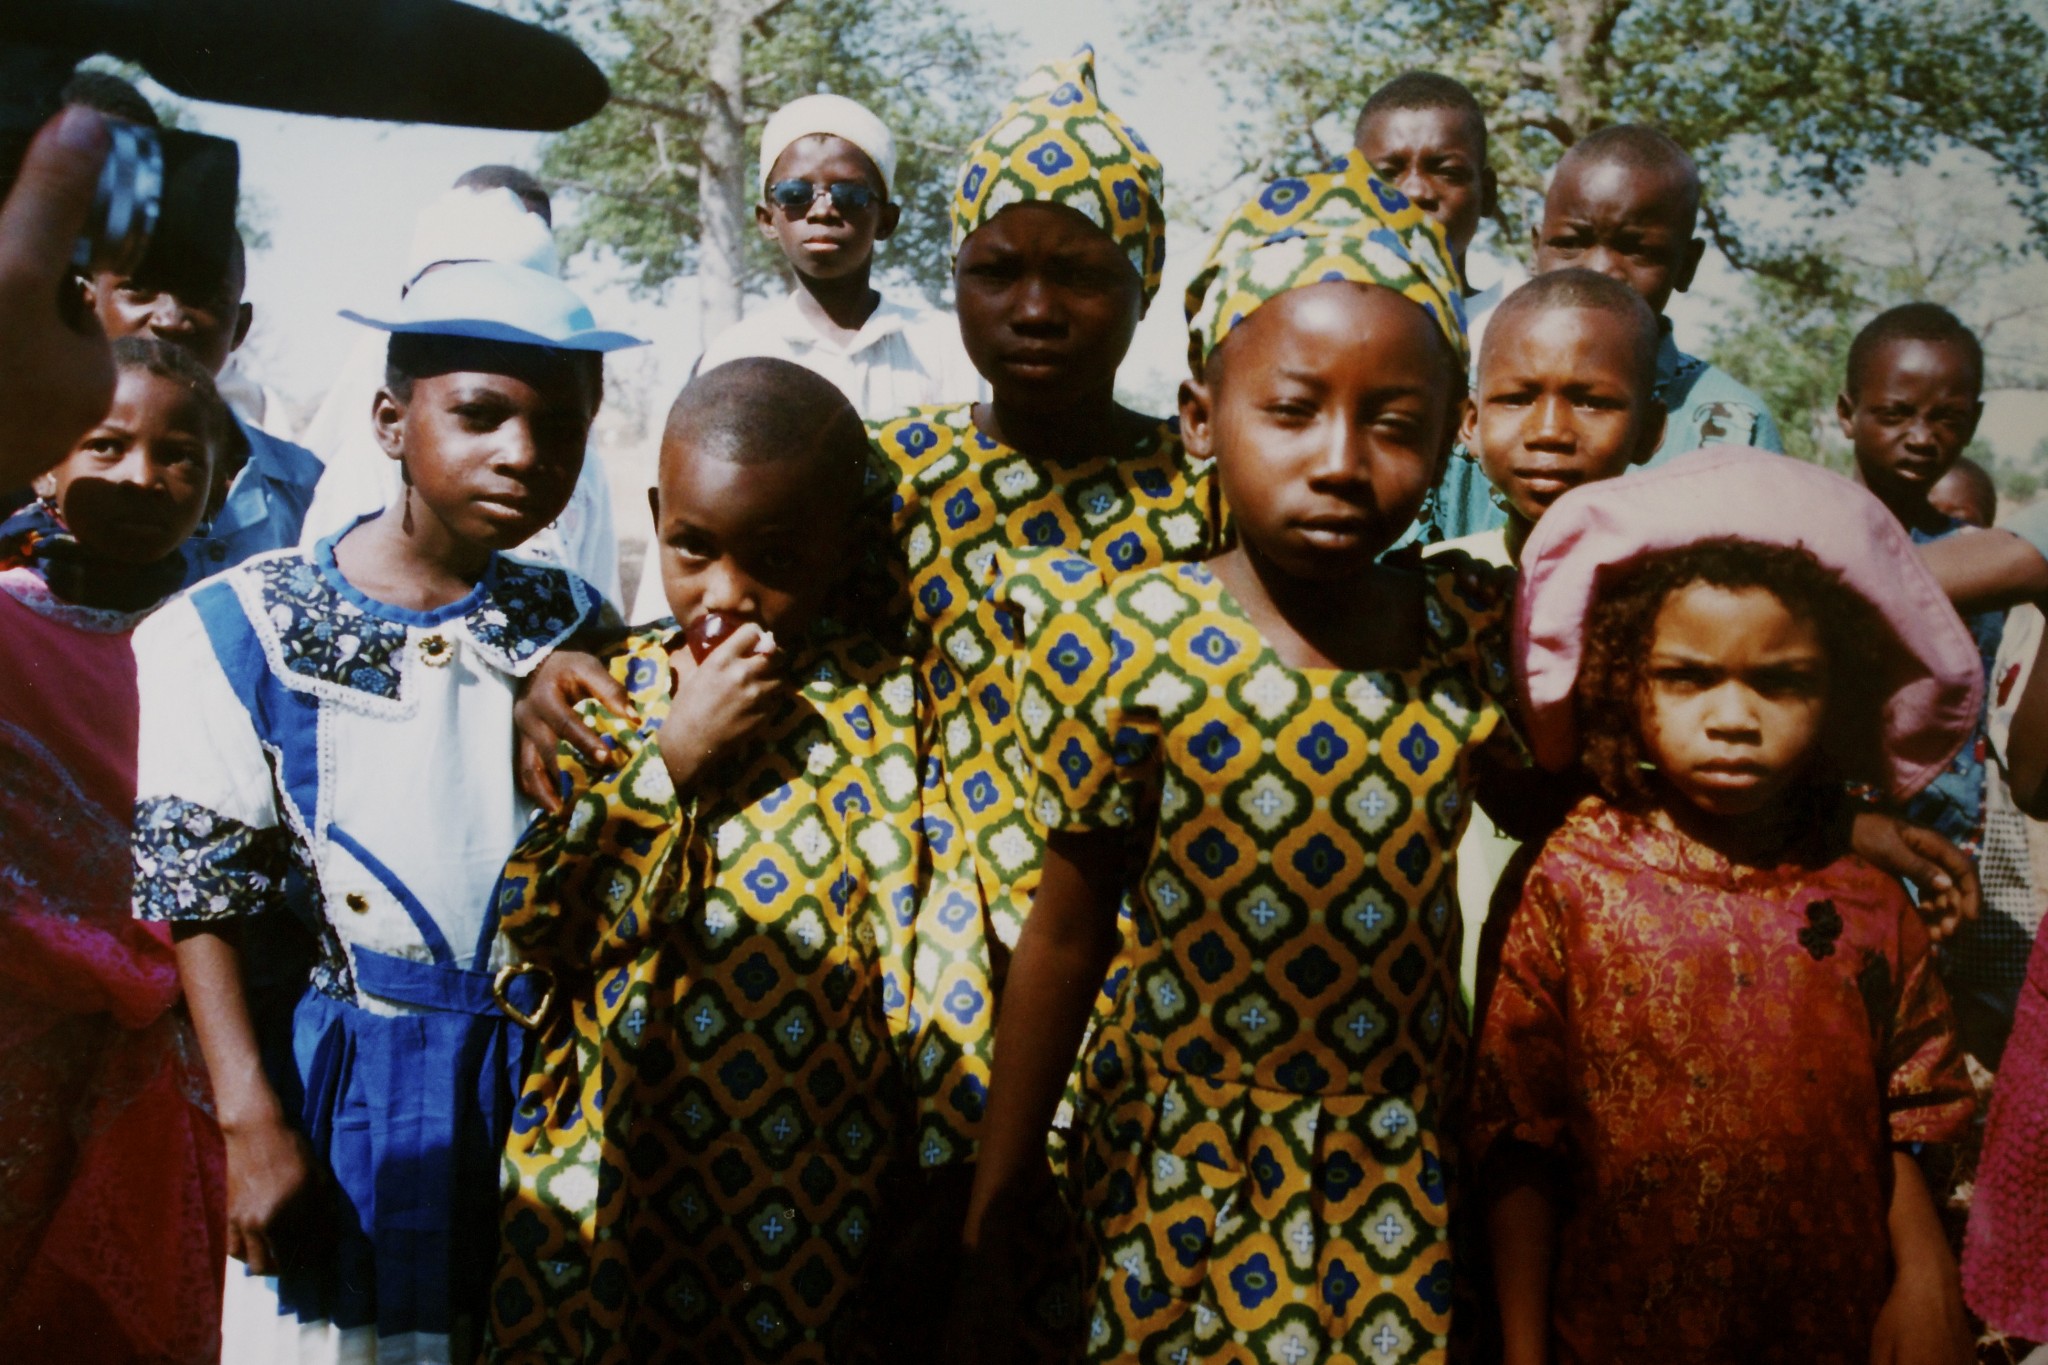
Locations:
(387, 420)
(1681, 279)
(1468, 425)
(1651, 437)
(1489, 192)
(764, 220)
(245, 315)
(1197, 412)
(886, 221)
(1976, 416)
(1845, 414)
(654, 508)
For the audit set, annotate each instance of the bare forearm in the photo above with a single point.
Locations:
(1987, 570)
(1523, 1225)
(210, 968)
(1919, 1243)
(1061, 959)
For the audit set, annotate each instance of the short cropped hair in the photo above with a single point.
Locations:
(1578, 288)
(176, 364)
(1423, 90)
(110, 95)
(531, 192)
(1641, 147)
(1928, 322)
(1620, 631)
(759, 410)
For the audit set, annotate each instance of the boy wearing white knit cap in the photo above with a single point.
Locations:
(827, 180)
(828, 170)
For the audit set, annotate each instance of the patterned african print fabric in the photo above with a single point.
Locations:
(1262, 1176)
(774, 992)
(1339, 224)
(1724, 1057)
(1057, 144)
(967, 510)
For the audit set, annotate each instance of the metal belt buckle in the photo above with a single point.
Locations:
(501, 983)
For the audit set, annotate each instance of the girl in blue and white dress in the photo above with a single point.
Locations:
(326, 738)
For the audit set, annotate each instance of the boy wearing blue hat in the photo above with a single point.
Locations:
(325, 731)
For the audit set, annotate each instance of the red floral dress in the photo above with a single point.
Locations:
(1723, 1058)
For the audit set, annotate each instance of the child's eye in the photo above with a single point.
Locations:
(1291, 410)
(105, 446)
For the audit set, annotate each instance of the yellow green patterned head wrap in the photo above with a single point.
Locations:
(1056, 144)
(1339, 224)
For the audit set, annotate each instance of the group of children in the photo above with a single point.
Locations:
(1048, 882)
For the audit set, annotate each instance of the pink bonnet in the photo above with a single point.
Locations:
(1930, 671)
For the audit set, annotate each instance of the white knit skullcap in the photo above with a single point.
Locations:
(834, 116)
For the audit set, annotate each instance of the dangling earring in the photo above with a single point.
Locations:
(405, 474)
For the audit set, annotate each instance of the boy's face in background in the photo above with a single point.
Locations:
(821, 240)
(1626, 222)
(1965, 499)
(1436, 157)
(1915, 408)
(137, 485)
(1048, 304)
(209, 320)
(764, 542)
(1560, 402)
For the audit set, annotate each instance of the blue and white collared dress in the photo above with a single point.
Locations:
(307, 749)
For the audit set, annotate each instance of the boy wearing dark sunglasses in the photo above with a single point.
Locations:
(828, 168)
(827, 171)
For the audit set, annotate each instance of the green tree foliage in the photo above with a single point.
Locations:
(636, 170)
(1780, 100)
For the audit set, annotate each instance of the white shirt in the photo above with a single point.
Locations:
(904, 355)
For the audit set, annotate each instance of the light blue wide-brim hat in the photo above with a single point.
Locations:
(492, 301)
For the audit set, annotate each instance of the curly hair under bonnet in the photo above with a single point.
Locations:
(1623, 617)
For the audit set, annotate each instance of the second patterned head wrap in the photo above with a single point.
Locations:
(1339, 224)
(1057, 144)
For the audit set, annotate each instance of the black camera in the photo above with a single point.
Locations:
(167, 197)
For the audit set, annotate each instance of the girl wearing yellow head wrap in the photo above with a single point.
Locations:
(1059, 234)
(1268, 756)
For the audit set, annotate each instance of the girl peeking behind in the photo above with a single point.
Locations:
(111, 1184)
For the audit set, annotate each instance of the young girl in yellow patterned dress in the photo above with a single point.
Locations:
(1270, 753)
(1059, 235)
(760, 924)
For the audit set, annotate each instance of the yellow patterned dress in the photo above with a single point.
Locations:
(770, 994)
(967, 511)
(1262, 1174)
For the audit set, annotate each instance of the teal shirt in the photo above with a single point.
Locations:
(1707, 407)
(265, 507)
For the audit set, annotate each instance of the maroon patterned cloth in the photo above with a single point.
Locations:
(2005, 1255)
(1722, 1058)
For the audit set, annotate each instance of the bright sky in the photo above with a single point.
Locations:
(338, 199)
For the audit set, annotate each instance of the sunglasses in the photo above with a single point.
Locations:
(848, 196)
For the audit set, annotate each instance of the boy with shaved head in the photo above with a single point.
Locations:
(774, 919)
(1625, 202)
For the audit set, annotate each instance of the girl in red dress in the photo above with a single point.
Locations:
(1716, 1037)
